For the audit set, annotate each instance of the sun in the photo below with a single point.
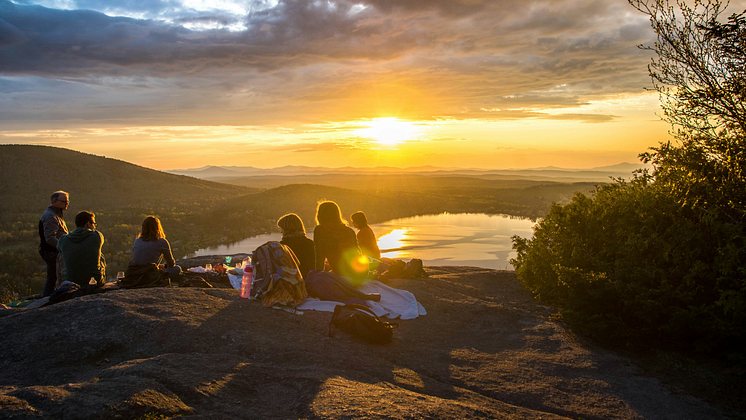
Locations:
(389, 131)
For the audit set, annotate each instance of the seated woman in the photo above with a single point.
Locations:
(365, 236)
(336, 243)
(151, 247)
(294, 236)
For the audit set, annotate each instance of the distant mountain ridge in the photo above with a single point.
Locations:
(550, 173)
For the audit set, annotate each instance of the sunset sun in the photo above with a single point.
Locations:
(389, 131)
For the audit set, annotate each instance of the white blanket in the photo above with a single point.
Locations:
(395, 303)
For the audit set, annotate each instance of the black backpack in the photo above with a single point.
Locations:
(362, 322)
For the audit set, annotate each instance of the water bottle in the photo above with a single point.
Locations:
(248, 277)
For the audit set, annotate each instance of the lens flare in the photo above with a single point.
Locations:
(360, 264)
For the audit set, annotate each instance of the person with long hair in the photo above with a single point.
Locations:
(365, 236)
(151, 247)
(294, 236)
(336, 243)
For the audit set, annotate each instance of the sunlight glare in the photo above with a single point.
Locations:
(388, 131)
(393, 240)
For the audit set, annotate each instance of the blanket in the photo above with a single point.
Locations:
(395, 303)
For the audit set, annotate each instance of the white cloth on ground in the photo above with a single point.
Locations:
(235, 281)
(395, 303)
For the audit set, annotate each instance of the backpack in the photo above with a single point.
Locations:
(277, 278)
(362, 322)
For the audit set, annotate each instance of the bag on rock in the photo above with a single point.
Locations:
(277, 278)
(362, 322)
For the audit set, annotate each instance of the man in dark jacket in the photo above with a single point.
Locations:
(81, 251)
(51, 228)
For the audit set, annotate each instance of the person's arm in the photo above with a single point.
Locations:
(354, 238)
(51, 226)
(101, 261)
(371, 243)
(318, 249)
(167, 255)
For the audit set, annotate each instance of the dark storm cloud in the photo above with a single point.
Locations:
(39, 40)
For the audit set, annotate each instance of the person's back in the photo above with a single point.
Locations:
(368, 244)
(294, 237)
(338, 245)
(146, 252)
(365, 236)
(336, 242)
(81, 251)
(151, 247)
(303, 248)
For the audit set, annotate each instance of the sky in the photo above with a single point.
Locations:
(490, 84)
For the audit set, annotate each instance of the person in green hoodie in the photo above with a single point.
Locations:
(81, 251)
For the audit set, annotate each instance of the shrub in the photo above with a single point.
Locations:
(631, 265)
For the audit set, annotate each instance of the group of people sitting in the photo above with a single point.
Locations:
(76, 256)
(335, 246)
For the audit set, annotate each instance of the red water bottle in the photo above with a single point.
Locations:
(248, 277)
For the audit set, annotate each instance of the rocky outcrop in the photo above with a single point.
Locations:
(486, 349)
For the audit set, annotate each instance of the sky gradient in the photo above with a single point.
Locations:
(454, 83)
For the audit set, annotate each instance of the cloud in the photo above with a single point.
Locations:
(308, 147)
(587, 118)
(308, 61)
(294, 34)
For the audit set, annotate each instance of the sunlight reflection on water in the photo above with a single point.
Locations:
(464, 239)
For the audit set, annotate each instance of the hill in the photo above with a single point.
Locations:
(485, 349)
(32, 173)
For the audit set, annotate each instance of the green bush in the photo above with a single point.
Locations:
(631, 265)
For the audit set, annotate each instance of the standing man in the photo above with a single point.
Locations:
(51, 228)
(81, 251)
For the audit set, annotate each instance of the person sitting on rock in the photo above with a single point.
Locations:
(365, 236)
(294, 236)
(336, 243)
(81, 251)
(151, 247)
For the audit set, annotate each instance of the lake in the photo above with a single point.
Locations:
(463, 239)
